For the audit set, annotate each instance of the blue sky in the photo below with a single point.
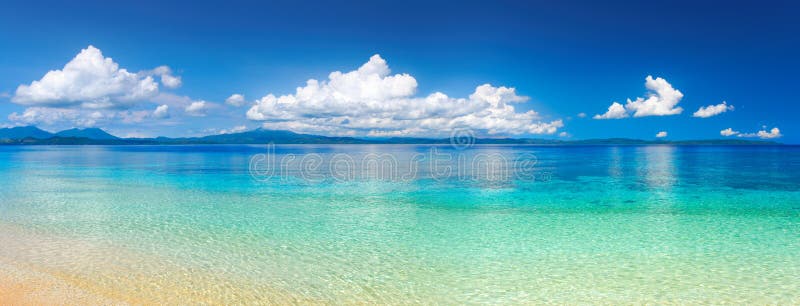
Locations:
(561, 59)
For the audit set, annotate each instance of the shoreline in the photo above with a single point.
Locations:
(21, 286)
(41, 268)
(38, 268)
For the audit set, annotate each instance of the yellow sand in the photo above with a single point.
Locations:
(37, 269)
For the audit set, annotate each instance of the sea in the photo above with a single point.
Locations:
(400, 224)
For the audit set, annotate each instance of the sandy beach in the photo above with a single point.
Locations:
(44, 269)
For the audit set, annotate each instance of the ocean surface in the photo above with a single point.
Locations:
(405, 224)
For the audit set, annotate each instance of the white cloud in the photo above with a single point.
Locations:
(728, 132)
(68, 117)
(167, 79)
(162, 111)
(581, 115)
(661, 134)
(89, 80)
(662, 100)
(44, 115)
(370, 101)
(773, 133)
(235, 100)
(235, 129)
(91, 90)
(134, 135)
(216, 131)
(713, 110)
(615, 111)
(197, 108)
(763, 134)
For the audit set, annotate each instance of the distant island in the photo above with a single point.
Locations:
(31, 135)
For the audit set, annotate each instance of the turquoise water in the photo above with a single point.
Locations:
(577, 225)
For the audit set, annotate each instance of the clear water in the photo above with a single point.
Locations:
(182, 224)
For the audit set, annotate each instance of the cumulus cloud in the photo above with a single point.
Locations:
(763, 134)
(235, 100)
(728, 132)
(712, 110)
(581, 115)
(89, 80)
(197, 108)
(92, 89)
(662, 100)
(162, 111)
(371, 101)
(773, 133)
(615, 111)
(661, 134)
(167, 78)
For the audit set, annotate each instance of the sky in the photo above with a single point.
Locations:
(545, 69)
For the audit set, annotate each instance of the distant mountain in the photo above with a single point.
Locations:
(259, 136)
(90, 133)
(21, 132)
(94, 136)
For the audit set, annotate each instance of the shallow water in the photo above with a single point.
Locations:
(574, 224)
